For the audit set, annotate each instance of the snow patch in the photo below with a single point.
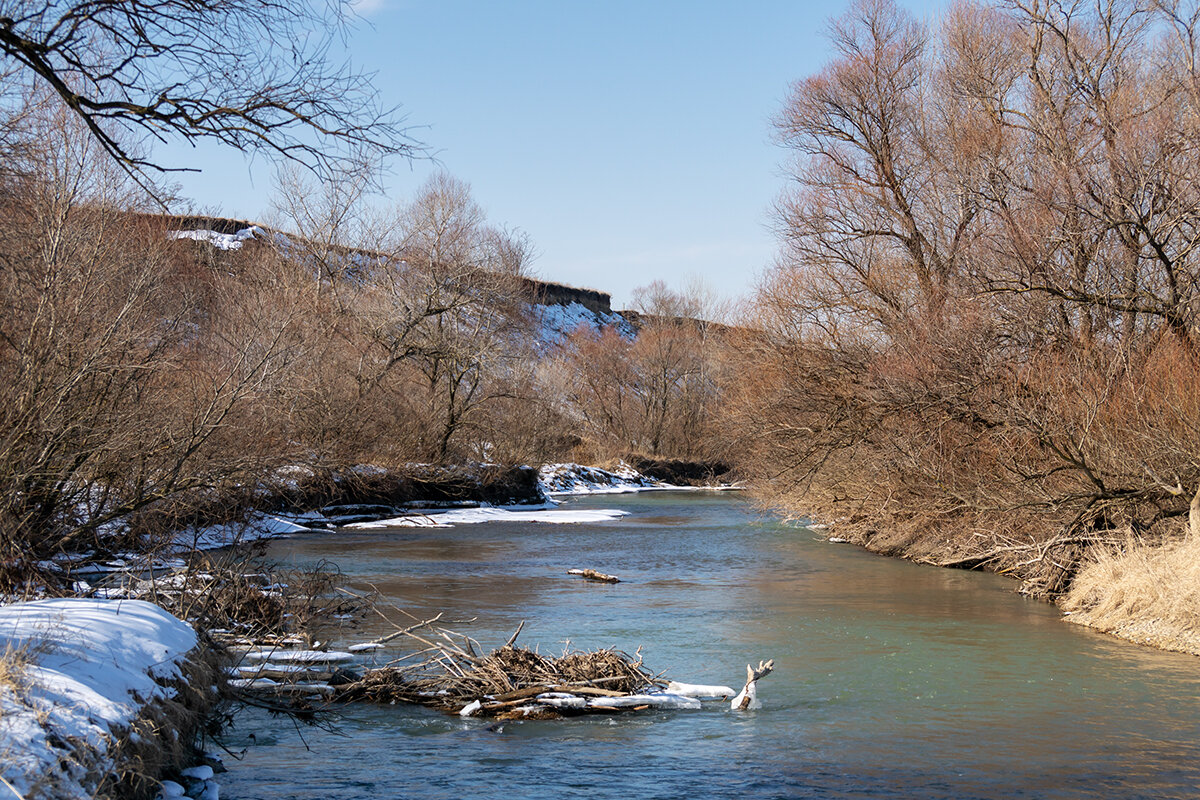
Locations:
(556, 322)
(700, 690)
(221, 241)
(658, 700)
(578, 479)
(300, 656)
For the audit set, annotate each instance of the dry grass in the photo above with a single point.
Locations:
(1144, 593)
(13, 663)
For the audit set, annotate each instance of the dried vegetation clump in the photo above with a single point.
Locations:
(164, 737)
(1144, 593)
(13, 663)
(230, 597)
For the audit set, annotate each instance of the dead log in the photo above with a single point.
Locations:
(593, 575)
(573, 688)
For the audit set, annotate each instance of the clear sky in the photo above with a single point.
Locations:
(630, 140)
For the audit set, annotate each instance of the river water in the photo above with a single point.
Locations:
(892, 679)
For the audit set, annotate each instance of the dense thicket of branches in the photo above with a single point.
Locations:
(654, 393)
(980, 343)
(126, 372)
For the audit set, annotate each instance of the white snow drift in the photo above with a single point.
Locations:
(93, 665)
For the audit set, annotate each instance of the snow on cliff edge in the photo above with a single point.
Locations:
(91, 666)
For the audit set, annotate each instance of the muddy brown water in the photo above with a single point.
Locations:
(893, 680)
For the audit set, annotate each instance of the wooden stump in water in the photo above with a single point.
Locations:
(748, 697)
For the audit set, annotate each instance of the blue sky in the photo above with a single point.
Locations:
(631, 140)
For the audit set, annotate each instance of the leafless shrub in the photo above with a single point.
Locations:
(127, 369)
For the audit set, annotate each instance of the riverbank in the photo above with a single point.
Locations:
(1144, 592)
(99, 699)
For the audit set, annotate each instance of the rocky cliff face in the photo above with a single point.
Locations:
(558, 294)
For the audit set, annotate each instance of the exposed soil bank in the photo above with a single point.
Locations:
(479, 483)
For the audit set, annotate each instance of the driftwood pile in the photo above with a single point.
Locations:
(450, 672)
(507, 682)
(453, 675)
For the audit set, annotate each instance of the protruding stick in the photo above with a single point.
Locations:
(516, 633)
(748, 697)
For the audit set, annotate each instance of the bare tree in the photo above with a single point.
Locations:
(258, 76)
(463, 275)
(978, 346)
(653, 393)
(129, 373)
(425, 313)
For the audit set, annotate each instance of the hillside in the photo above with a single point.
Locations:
(560, 309)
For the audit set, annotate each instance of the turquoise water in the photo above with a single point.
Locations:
(892, 679)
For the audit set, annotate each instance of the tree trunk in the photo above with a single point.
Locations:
(1194, 516)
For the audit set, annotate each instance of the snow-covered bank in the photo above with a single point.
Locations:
(570, 479)
(83, 566)
(258, 526)
(86, 670)
(471, 516)
(561, 479)
(553, 479)
(555, 322)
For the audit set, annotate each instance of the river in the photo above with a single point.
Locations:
(892, 679)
